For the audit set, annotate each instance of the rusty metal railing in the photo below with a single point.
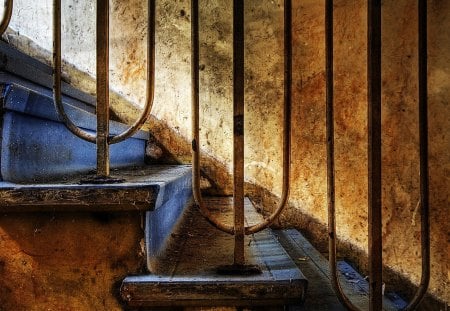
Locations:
(374, 152)
(102, 138)
(7, 13)
(238, 229)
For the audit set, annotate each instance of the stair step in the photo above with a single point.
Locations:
(145, 188)
(185, 272)
(37, 147)
(314, 265)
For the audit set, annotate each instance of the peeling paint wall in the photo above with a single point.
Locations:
(264, 92)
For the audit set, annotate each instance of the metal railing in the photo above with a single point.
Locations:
(374, 152)
(238, 229)
(102, 138)
(7, 13)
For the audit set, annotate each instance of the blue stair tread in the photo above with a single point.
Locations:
(145, 188)
(36, 145)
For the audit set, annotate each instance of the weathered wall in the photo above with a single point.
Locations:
(67, 261)
(264, 68)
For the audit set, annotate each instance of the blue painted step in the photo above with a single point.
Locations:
(36, 146)
(42, 163)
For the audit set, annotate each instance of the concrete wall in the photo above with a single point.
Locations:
(264, 80)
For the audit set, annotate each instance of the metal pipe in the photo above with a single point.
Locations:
(102, 87)
(57, 98)
(374, 153)
(238, 133)
(7, 13)
(286, 122)
(330, 158)
(423, 141)
(196, 124)
(150, 88)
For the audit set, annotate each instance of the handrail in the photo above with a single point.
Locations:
(374, 149)
(7, 13)
(374, 220)
(286, 124)
(330, 158)
(196, 121)
(57, 96)
(150, 87)
(102, 137)
(423, 142)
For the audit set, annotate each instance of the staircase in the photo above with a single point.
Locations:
(46, 169)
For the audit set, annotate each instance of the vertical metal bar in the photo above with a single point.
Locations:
(102, 87)
(374, 153)
(238, 112)
(423, 141)
(330, 157)
(195, 101)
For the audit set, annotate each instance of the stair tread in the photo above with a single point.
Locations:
(187, 271)
(145, 188)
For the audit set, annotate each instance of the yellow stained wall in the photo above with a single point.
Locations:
(264, 93)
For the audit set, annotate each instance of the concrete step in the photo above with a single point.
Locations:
(144, 188)
(315, 266)
(184, 272)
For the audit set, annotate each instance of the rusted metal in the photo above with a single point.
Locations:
(7, 13)
(238, 137)
(196, 123)
(374, 153)
(423, 141)
(238, 123)
(103, 138)
(330, 158)
(57, 97)
(102, 87)
(286, 122)
(150, 87)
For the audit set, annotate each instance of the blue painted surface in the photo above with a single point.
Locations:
(36, 146)
(173, 198)
(35, 150)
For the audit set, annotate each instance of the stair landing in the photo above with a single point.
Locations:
(186, 273)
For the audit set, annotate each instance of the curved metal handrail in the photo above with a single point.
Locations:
(7, 13)
(57, 79)
(286, 125)
(286, 122)
(423, 142)
(150, 88)
(376, 302)
(57, 97)
(330, 159)
(195, 123)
